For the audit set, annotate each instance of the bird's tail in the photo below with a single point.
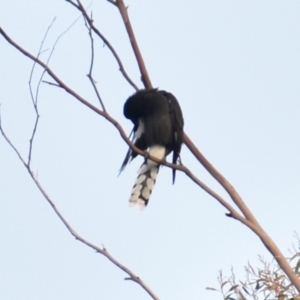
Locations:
(146, 179)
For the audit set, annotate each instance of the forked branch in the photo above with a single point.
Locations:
(89, 20)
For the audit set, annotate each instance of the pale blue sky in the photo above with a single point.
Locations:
(234, 67)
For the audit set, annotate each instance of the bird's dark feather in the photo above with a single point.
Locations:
(163, 122)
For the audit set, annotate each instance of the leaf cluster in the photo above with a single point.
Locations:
(266, 282)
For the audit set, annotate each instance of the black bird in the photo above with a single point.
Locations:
(158, 127)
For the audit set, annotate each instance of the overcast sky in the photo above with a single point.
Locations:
(234, 67)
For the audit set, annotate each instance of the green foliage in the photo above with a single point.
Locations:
(266, 282)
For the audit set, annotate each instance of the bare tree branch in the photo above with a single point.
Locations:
(221, 179)
(90, 74)
(80, 7)
(35, 98)
(102, 251)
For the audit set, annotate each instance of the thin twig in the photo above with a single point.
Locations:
(60, 36)
(34, 99)
(90, 74)
(52, 83)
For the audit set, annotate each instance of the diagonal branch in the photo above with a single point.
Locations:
(237, 199)
(78, 237)
(267, 241)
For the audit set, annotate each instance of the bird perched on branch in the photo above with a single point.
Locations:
(158, 128)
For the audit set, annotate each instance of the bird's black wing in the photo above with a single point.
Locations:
(177, 128)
